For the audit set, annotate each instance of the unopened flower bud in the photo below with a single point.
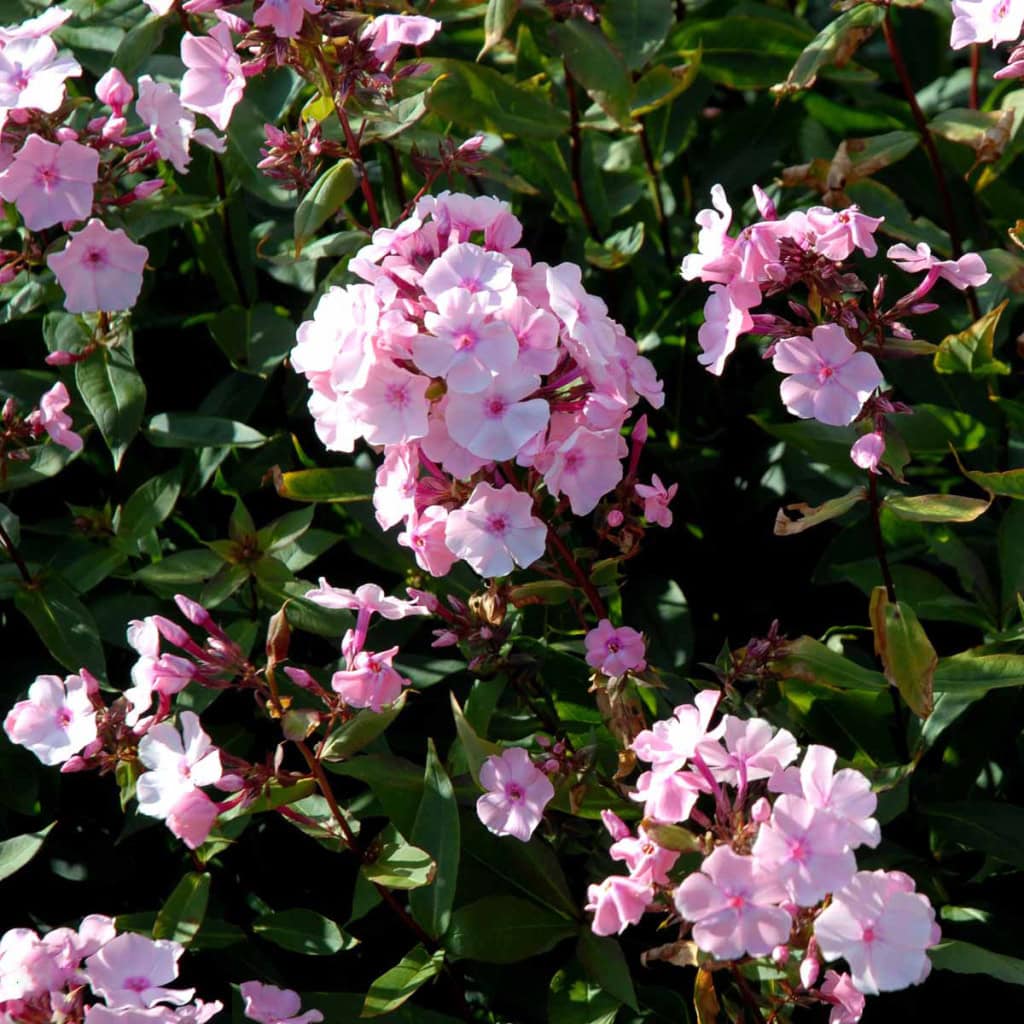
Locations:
(780, 954)
(114, 90)
(617, 828)
(615, 518)
(300, 677)
(764, 205)
(66, 134)
(761, 811)
(809, 968)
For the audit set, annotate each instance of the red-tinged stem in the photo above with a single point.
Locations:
(946, 199)
(576, 156)
(355, 152)
(876, 529)
(580, 576)
(975, 69)
(14, 554)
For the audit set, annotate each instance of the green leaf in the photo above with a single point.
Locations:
(324, 199)
(436, 830)
(497, 18)
(114, 394)
(970, 674)
(662, 607)
(480, 99)
(994, 828)
(504, 929)
(476, 750)
(573, 999)
(302, 931)
(834, 44)
(970, 351)
(181, 917)
(284, 531)
(344, 484)
(17, 851)
(662, 84)
(180, 569)
(616, 250)
(805, 658)
(936, 508)
(800, 516)
(606, 966)
(149, 506)
(637, 28)
(596, 66)
(394, 987)
(192, 430)
(359, 731)
(966, 958)
(63, 623)
(1007, 484)
(906, 652)
(400, 865)
(138, 44)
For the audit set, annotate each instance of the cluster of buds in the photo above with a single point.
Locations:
(19, 433)
(778, 879)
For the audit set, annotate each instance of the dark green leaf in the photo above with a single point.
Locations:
(324, 199)
(523, 930)
(302, 931)
(332, 485)
(63, 623)
(115, 395)
(191, 430)
(394, 987)
(637, 28)
(181, 917)
(16, 852)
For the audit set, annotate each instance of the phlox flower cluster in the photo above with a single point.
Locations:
(93, 975)
(778, 877)
(991, 21)
(830, 364)
(485, 378)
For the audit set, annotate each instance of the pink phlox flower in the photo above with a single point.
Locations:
(51, 417)
(1014, 65)
(846, 795)
(615, 650)
(394, 497)
(56, 720)
(585, 467)
(750, 749)
(440, 447)
(646, 860)
(284, 16)
(517, 793)
(49, 182)
(713, 241)
(806, 850)
(387, 32)
(372, 681)
(657, 498)
(496, 422)
(28, 967)
(114, 90)
(536, 331)
(95, 931)
(464, 346)
(584, 316)
(178, 763)
(470, 268)
(198, 1012)
(726, 317)
(881, 928)
(986, 21)
(214, 81)
(425, 537)
(733, 906)
(617, 902)
(392, 405)
(41, 25)
(192, 817)
(669, 796)
(99, 269)
(171, 126)
(969, 271)
(368, 598)
(154, 672)
(32, 75)
(867, 451)
(847, 1002)
(671, 742)
(496, 529)
(132, 970)
(829, 378)
(839, 232)
(100, 1014)
(269, 1004)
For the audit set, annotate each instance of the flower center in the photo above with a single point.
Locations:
(495, 407)
(64, 718)
(497, 524)
(398, 396)
(515, 792)
(136, 983)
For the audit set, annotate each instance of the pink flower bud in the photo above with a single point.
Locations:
(301, 678)
(809, 969)
(114, 128)
(74, 764)
(764, 205)
(65, 134)
(617, 828)
(172, 632)
(62, 358)
(445, 638)
(423, 598)
(92, 684)
(113, 90)
(780, 954)
(229, 783)
(639, 435)
(761, 811)
(615, 518)
(145, 189)
(867, 451)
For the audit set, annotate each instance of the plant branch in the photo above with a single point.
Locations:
(14, 554)
(659, 207)
(876, 529)
(354, 151)
(576, 156)
(975, 69)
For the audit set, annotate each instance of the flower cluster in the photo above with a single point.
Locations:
(991, 21)
(830, 366)
(779, 876)
(484, 376)
(93, 975)
(18, 433)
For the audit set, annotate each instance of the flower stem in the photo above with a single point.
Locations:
(876, 529)
(576, 157)
(14, 554)
(580, 576)
(659, 207)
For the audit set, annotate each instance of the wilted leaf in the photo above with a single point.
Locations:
(805, 516)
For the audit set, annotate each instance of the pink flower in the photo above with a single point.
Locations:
(166, 674)
(214, 81)
(668, 795)
(984, 21)
(838, 233)
(969, 271)
(881, 928)
(726, 317)
(466, 267)
(392, 405)
(271, 1005)
(617, 902)
(1014, 65)
(671, 742)
(425, 536)
(371, 682)
(585, 467)
(192, 818)
(178, 763)
(517, 793)
(28, 967)
(615, 651)
(51, 417)
(713, 241)
(131, 970)
(847, 1002)
(171, 126)
(32, 75)
(369, 599)
(284, 17)
(867, 451)
(647, 861)
(656, 500)
(750, 749)
(830, 380)
(732, 905)
(805, 849)
(56, 721)
(41, 25)
(51, 183)
(99, 269)
(387, 32)
(495, 530)
(496, 423)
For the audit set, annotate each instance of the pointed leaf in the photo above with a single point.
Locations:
(303, 931)
(17, 851)
(970, 351)
(936, 508)
(906, 652)
(115, 395)
(182, 915)
(324, 199)
(394, 987)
